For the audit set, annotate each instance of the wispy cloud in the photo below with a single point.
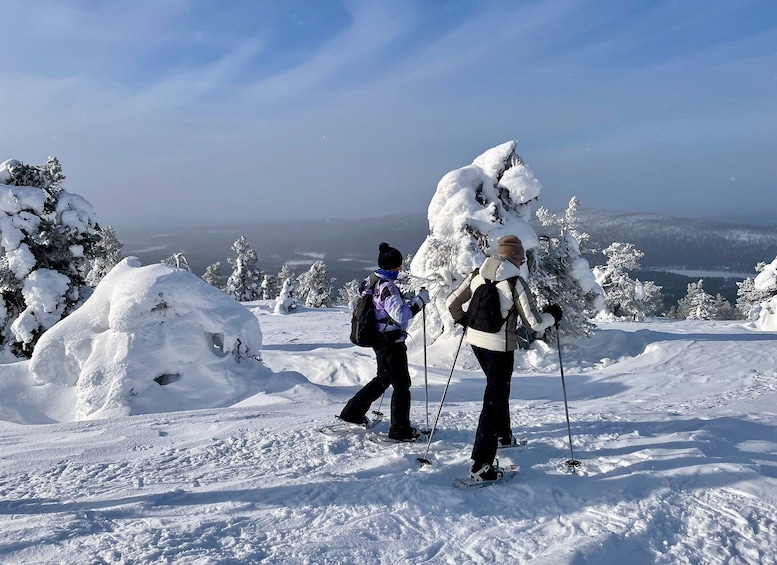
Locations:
(302, 105)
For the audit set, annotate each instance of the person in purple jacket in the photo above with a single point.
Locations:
(393, 314)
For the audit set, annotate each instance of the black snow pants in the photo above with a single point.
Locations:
(391, 358)
(495, 414)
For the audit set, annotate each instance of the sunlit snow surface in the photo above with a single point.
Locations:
(674, 423)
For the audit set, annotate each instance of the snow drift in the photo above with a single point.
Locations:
(143, 328)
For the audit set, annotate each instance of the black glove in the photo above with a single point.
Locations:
(461, 321)
(555, 311)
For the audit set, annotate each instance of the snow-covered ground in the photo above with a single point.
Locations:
(675, 424)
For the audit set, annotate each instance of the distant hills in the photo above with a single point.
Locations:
(349, 247)
(683, 243)
(725, 251)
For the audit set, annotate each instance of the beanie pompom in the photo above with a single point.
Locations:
(388, 257)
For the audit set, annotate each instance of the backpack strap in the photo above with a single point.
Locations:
(511, 283)
(374, 279)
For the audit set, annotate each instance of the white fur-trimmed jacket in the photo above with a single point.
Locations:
(511, 294)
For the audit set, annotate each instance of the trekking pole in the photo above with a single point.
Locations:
(426, 379)
(572, 463)
(423, 460)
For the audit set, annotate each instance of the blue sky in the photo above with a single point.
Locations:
(230, 111)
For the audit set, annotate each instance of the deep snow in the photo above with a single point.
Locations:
(674, 423)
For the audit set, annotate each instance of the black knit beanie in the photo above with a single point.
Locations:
(388, 257)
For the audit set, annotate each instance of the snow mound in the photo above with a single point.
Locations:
(151, 339)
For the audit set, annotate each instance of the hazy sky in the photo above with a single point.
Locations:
(354, 108)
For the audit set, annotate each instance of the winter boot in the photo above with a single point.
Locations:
(359, 420)
(486, 472)
(508, 440)
(404, 434)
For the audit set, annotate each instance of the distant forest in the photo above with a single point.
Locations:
(349, 247)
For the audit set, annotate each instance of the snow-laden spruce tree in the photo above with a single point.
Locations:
(107, 256)
(271, 287)
(627, 298)
(698, 304)
(213, 276)
(561, 275)
(315, 287)
(349, 293)
(754, 293)
(471, 209)
(177, 260)
(287, 274)
(285, 302)
(244, 284)
(48, 242)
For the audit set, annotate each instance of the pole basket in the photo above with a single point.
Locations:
(572, 464)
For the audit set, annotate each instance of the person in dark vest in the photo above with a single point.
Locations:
(393, 314)
(496, 351)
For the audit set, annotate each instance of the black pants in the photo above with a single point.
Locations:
(392, 370)
(495, 414)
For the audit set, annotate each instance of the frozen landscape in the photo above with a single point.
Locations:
(162, 421)
(673, 422)
(164, 393)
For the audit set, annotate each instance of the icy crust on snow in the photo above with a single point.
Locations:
(144, 323)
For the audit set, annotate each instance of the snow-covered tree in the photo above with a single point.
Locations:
(554, 266)
(625, 297)
(315, 287)
(405, 281)
(752, 293)
(349, 293)
(569, 223)
(107, 255)
(287, 274)
(213, 276)
(177, 260)
(271, 287)
(697, 304)
(561, 275)
(244, 284)
(649, 297)
(285, 302)
(48, 242)
(722, 309)
(471, 209)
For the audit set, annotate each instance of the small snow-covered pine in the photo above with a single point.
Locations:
(49, 242)
(244, 283)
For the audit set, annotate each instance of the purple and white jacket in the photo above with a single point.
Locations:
(392, 311)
